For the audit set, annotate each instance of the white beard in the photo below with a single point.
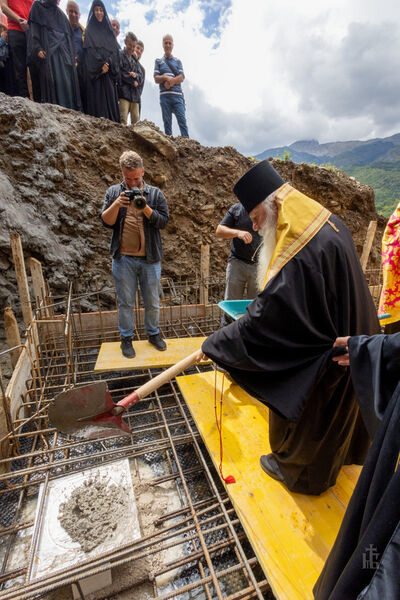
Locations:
(268, 233)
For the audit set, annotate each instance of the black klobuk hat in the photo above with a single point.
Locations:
(258, 183)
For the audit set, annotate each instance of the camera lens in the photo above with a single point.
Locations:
(140, 202)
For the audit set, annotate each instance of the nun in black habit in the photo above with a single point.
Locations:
(364, 562)
(51, 56)
(280, 351)
(99, 68)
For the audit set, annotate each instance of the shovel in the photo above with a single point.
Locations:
(90, 412)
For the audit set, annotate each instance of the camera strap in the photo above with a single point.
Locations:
(176, 73)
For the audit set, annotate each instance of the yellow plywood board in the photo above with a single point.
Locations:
(110, 357)
(291, 534)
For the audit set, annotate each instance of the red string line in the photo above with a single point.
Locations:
(218, 420)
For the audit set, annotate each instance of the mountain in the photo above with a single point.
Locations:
(330, 150)
(374, 162)
(297, 156)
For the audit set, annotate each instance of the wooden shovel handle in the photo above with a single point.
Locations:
(153, 384)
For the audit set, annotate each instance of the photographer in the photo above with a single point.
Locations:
(136, 248)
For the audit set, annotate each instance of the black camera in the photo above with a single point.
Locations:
(136, 196)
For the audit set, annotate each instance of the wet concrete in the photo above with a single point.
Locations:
(92, 512)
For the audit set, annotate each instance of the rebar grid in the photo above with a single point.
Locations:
(215, 558)
(374, 279)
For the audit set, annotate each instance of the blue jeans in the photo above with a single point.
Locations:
(172, 103)
(127, 272)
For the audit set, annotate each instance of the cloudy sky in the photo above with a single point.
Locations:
(262, 73)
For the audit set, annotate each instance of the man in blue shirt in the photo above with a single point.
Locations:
(78, 31)
(168, 73)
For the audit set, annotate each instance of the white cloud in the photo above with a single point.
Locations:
(278, 72)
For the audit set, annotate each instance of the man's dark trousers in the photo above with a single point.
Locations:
(17, 44)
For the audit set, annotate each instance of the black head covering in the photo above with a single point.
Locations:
(100, 34)
(46, 13)
(258, 183)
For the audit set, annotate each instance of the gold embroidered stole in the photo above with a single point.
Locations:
(299, 220)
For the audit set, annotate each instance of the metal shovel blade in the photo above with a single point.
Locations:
(86, 412)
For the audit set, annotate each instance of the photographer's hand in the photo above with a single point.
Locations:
(122, 201)
(110, 215)
(147, 211)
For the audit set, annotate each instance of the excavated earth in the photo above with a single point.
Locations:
(56, 164)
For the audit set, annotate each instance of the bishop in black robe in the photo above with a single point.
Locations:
(51, 56)
(365, 558)
(99, 85)
(280, 350)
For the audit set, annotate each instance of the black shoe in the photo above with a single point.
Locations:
(127, 348)
(157, 342)
(270, 466)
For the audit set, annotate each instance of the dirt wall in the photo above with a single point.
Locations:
(56, 164)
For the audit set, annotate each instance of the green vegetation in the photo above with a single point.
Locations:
(329, 166)
(384, 178)
(286, 156)
(364, 154)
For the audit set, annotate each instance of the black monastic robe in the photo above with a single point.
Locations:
(280, 352)
(55, 76)
(7, 84)
(365, 559)
(100, 46)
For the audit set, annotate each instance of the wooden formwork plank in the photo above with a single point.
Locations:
(12, 334)
(22, 280)
(39, 286)
(369, 238)
(110, 357)
(204, 272)
(291, 534)
(16, 388)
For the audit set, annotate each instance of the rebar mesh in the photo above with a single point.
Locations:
(374, 280)
(211, 555)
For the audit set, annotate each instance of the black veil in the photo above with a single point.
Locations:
(46, 13)
(100, 46)
(99, 34)
(54, 78)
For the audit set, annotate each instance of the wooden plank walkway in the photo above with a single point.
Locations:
(110, 357)
(291, 534)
